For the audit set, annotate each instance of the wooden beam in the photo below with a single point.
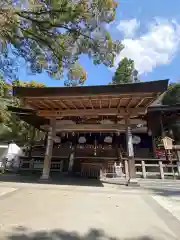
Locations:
(110, 103)
(93, 112)
(91, 104)
(90, 95)
(153, 98)
(140, 102)
(150, 102)
(100, 103)
(89, 127)
(129, 103)
(119, 103)
(82, 105)
(50, 103)
(71, 103)
(44, 104)
(59, 105)
(63, 104)
(32, 104)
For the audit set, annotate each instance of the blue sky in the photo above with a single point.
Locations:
(150, 31)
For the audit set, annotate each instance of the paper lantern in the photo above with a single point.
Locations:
(108, 139)
(82, 140)
(136, 139)
(57, 139)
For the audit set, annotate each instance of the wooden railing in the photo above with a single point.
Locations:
(157, 168)
(93, 167)
(146, 168)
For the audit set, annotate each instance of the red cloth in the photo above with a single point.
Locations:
(160, 153)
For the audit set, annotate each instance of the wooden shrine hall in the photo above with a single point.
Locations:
(108, 109)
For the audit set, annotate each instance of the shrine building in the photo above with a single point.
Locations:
(89, 127)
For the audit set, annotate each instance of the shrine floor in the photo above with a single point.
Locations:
(31, 211)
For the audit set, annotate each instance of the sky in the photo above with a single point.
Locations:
(150, 33)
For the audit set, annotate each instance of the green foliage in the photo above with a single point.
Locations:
(172, 96)
(32, 84)
(76, 76)
(124, 72)
(51, 35)
(11, 127)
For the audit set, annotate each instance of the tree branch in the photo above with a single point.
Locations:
(40, 23)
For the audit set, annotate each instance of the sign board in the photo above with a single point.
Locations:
(167, 142)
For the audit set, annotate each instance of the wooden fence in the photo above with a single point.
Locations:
(145, 167)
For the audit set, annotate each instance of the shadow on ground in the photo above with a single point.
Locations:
(55, 178)
(93, 234)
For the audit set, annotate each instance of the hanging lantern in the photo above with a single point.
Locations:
(57, 139)
(108, 139)
(136, 139)
(82, 140)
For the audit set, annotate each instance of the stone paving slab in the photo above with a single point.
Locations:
(34, 213)
(170, 203)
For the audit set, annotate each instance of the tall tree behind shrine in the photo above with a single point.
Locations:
(171, 97)
(11, 127)
(51, 36)
(124, 72)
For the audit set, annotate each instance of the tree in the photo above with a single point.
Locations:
(52, 35)
(75, 76)
(124, 72)
(11, 127)
(32, 84)
(172, 96)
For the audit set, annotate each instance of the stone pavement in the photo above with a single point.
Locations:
(54, 212)
(170, 203)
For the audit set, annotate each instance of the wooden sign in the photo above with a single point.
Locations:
(168, 143)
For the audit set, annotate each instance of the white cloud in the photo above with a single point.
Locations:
(128, 27)
(156, 47)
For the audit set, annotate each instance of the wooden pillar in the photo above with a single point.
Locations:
(178, 162)
(163, 134)
(32, 137)
(49, 149)
(161, 126)
(154, 146)
(71, 161)
(130, 153)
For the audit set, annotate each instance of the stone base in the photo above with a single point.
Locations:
(133, 182)
(44, 179)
